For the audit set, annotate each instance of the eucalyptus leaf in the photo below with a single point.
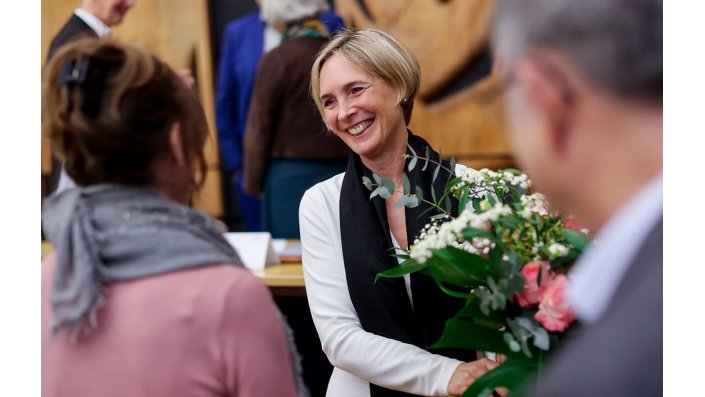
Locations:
(433, 195)
(448, 206)
(377, 178)
(375, 192)
(412, 163)
(436, 171)
(406, 185)
(400, 203)
(411, 201)
(428, 156)
(419, 193)
(384, 192)
(367, 182)
(452, 164)
(412, 149)
(389, 184)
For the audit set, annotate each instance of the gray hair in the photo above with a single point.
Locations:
(617, 44)
(274, 11)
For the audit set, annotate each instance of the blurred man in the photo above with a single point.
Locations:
(584, 96)
(94, 18)
(245, 40)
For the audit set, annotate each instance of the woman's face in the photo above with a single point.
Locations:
(360, 108)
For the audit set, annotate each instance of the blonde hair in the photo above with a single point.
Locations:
(377, 53)
(112, 125)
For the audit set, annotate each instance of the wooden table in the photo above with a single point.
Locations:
(286, 279)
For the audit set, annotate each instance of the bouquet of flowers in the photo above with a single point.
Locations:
(506, 254)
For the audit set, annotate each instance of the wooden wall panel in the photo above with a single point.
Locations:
(450, 40)
(178, 32)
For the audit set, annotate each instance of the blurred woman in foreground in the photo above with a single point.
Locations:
(142, 295)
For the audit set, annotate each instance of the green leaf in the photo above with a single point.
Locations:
(419, 193)
(433, 194)
(377, 178)
(448, 206)
(464, 334)
(407, 267)
(428, 156)
(512, 374)
(471, 310)
(435, 172)
(367, 182)
(470, 233)
(400, 203)
(389, 184)
(577, 239)
(473, 267)
(384, 192)
(412, 163)
(375, 192)
(510, 222)
(452, 183)
(452, 165)
(412, 149)
(406, 185)
(411, 201)
(464, 197)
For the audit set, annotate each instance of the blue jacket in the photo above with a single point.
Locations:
(243, 41)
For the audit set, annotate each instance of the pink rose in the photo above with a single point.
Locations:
(531, 294)
(571, 223)
(554, 312)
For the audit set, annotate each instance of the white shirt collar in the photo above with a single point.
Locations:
(98, 26)
(595, 278)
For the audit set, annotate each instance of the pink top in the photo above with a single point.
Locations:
(212, 331)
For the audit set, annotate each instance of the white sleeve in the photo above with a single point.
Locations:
(376, 359)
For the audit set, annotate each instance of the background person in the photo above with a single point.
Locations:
(585, 100)
(245, 40)
(287, 148)
(95, 18)
(375, 334)
(142, 296)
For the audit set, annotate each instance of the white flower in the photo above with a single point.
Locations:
(557, 249)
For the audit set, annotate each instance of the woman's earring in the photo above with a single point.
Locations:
(403, 101)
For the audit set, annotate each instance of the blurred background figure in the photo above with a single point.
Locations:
(584, 92)
(245, 40)
(143, 296)
(93, 18)
(287, 146)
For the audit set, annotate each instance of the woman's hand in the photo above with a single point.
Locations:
(466, 373)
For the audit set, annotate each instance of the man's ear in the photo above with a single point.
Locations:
(176, 148)
(548, 93)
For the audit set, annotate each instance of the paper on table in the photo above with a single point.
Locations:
(289, 251)
(255, 248)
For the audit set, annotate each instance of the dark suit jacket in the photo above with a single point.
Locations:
(622, 354)
(72, 30)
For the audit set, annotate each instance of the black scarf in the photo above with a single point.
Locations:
(384, 308)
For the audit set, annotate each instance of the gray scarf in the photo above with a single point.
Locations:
(107, 233)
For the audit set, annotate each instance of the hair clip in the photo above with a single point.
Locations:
(90, 81)
(71, 73)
